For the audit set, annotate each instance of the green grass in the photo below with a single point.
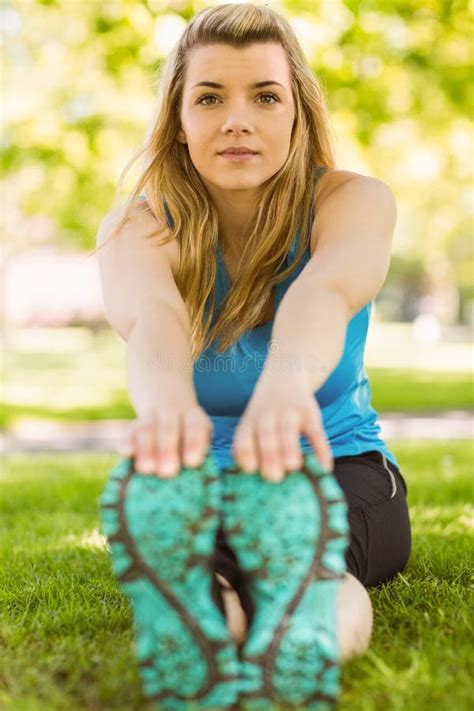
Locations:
(58, 391)
(74, 374)
(118, 407)
(66, 639)
(408, 391)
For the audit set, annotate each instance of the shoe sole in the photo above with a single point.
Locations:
(290, 539)
(161, 534)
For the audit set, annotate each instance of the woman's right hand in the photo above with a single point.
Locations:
(167, 439)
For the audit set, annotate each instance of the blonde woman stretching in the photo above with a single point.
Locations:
(241, 274)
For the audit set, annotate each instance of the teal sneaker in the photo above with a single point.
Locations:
(290, 540)
(162, 534)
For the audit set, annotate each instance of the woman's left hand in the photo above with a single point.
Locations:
(267, 436)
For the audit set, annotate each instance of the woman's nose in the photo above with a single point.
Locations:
(237, 120)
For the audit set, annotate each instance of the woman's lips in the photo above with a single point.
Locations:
(238, 157)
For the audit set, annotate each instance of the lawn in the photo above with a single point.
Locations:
(66, 629)
(393, 390)
(71, 376)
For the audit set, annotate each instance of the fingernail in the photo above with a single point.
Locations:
(168, 474)
(168, 466)
(275, 475)
(192, 459)
(146, 465)
(249, 470)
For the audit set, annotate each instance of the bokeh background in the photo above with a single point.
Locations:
(78, 91)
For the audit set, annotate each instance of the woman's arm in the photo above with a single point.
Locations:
(355, 226)
(144, 305)
(353, 234)
(159, 358)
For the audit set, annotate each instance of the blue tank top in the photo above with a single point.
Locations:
(224, 382)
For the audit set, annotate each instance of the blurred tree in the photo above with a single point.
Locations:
(79, 93)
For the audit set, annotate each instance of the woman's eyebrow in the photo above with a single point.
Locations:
(258, 84)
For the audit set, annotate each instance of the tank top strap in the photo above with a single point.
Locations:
(318, 171)
(169, 219)
(316, 174)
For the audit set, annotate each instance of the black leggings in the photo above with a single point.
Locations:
(380, 532)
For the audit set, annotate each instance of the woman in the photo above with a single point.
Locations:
(245, 321)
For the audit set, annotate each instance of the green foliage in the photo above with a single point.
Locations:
(80, 81)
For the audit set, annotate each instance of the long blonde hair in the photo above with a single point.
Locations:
(284, 201)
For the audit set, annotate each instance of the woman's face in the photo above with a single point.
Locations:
(237, 113)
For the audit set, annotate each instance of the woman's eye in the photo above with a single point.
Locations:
(273, 96)
(207, 96)
(202, 99)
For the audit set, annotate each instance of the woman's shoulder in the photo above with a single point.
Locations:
(147, 226)
(327, 182)
(331, 179)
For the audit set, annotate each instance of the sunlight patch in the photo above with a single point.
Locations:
(442, 520)
(88, 539)
(467, 517)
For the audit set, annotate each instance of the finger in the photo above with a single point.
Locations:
(167, 443)
(196, 430)
(289, 439)
(146, 452)
(245, 448)
(313, 428)
(270, 454)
